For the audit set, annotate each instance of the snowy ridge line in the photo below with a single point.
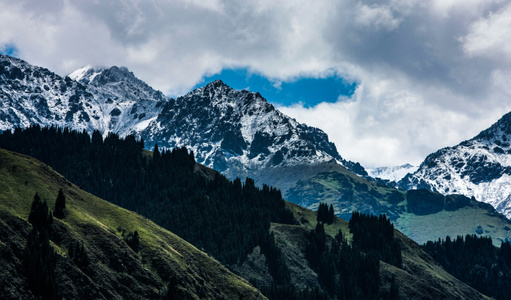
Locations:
(479, 168)
(229, 130)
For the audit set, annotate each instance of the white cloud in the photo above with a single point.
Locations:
(468, 8)
(489, 37)
(430, 73)
(376, 16)
(386, 125)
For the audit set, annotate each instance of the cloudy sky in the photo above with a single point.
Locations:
(390, 81)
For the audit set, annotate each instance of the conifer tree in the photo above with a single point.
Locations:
(38, 216)
(325, 214)
(133, 240)
(97, 138)
(77, 253)
(156, 152)
(321, 213)
(331, 214)
(60, 206)
(39, 258)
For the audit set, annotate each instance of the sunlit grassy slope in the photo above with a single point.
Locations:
(116, 271)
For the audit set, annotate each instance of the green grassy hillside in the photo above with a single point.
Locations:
(421, 216)
(420, 277)
(115, 271)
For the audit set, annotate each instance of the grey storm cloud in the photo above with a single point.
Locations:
(429, 73)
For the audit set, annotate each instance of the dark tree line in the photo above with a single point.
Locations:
(375, 236)
(225, 218)
(352, 271)
(475, 261)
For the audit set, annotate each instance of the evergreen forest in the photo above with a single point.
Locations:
(225, 218)
(352, 270)
(475, 261)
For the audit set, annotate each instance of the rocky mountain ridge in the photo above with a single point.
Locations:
(114, 101)
(232, 131)
(236, 132)
(479, 168)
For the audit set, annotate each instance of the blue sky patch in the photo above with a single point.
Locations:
(309, 91)
(9, 49)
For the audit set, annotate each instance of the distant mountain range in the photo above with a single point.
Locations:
(392, 173)
(236, 132)
(232, 131)
(241, 135)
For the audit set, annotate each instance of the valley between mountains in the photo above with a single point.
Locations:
(111, 135)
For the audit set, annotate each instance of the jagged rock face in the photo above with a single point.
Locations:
(480, 168)
(32, 95)
(125, 103)
(108, 100)
(235, 132)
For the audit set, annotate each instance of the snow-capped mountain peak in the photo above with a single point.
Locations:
(234, 131)
(85, 74)
(479, 167)
(33, 95)
(91, 98)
